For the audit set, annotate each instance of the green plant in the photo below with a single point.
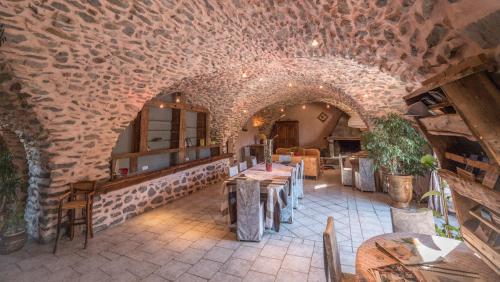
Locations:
(12, 212)
(396, 146)
(444, 229)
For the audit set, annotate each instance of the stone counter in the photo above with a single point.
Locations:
(117, 206)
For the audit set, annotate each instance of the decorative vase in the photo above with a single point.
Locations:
(268, 151)
(400, 190)
(10, 243)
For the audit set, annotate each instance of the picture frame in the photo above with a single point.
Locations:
(322, 117)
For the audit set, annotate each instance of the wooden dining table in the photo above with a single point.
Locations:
(459, 257)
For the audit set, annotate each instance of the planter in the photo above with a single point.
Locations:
(12, 242)
(400, 189)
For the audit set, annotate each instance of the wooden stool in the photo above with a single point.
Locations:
(78, 190)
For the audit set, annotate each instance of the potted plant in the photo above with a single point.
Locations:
(12, 225)
(443, 228)
(396, 147)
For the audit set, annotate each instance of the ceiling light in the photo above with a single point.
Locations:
(161, 106)
(244, 75)
(282, 110)
(314, 43)
(303, 107)
(177, 100)
(321, 86)
(290, 84)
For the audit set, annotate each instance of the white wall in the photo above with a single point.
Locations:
(311, 130)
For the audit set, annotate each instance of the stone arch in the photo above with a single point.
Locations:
(87, 68)
(24, 136)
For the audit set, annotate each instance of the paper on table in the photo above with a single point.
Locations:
(434, 276)
(411, 251)
(393, 272)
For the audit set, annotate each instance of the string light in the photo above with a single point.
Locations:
(321, 87)
(290, 84)
(245, 111)
(314, 43)
(177, 100)
(161, 106)
(244, 75)
(282, 110)
(303, 107)
(327, 106)
(261, 79)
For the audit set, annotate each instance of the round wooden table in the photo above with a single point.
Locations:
(461, 257)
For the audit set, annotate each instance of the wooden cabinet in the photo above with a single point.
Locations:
(461, 119)
(288, 134)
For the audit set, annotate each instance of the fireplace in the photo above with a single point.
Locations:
(344, 145)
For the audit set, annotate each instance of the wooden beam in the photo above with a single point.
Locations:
(160, 151)
(136, 179)
(207, 132)
(472, 190)
(133, 164)
(477, 164)
(143, 136)
(180, 106)
(469, 66)
(450, 125)
(477, 100)
(182, 136)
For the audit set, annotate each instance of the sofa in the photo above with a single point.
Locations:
(311, 158)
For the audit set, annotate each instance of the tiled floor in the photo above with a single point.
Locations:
(186, 241)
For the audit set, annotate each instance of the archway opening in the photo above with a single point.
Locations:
(14, 179)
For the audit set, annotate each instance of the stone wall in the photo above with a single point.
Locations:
(117, 206)
(74, 74)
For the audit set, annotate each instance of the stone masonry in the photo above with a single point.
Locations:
(115, 207)
(75, 73)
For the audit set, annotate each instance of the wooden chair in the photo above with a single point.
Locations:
(80, 196)
(345, 171)
(253, 160)
(285, 158)
(250, 211)
(233, 171)
(243, 166)
(331, 255)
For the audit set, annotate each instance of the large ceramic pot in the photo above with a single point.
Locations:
(400, 190)
(12, 242)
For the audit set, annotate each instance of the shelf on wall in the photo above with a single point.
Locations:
(472, 190)
(473, 240)
(475, 212)
(448, 125)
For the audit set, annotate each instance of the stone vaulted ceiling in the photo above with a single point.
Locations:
(74, 73)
